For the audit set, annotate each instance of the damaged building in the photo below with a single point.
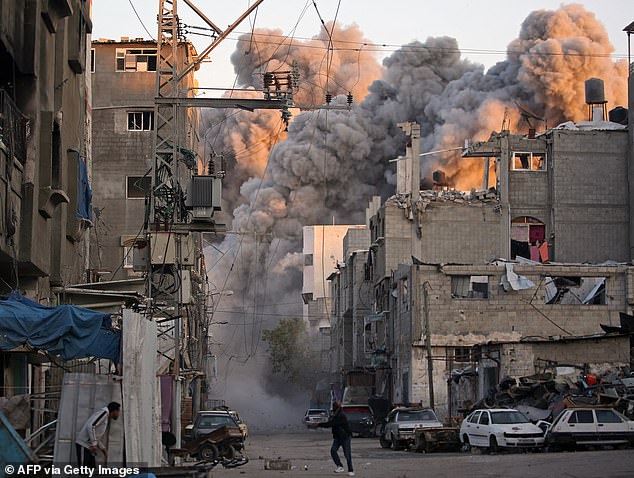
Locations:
(540, 252)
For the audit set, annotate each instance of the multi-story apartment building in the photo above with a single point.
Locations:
(124, 88)
(45, 154)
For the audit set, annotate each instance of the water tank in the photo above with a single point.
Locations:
(595, 93)
(618, 115)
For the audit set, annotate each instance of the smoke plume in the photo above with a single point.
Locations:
(331, 162)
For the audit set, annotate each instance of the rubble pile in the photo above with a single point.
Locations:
(543, 396)
(447, 196)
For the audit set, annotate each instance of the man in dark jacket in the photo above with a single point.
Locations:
(341, 437)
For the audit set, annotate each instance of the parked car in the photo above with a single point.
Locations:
(360, 419)
(493, 429)
(401, 426)
(208, 421)
(241, 423)
(576, 427)
(315, 415)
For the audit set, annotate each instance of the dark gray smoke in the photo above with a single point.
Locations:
(332, 162)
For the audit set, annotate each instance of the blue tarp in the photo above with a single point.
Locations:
(66, 330)
(84, 193)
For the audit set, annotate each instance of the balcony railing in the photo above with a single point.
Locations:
(13, 126)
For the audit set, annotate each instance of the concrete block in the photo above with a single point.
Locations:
(277, 464)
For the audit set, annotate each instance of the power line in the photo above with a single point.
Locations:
(141, 21)
(391, 47)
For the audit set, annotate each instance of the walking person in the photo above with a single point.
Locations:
(341, 437)
(87, 440)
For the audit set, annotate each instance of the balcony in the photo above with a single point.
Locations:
(13, 128)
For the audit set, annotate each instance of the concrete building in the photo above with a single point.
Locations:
(463, 306)
(44, 178)
(541, 254)
(352, 293)
(494, 361)
(323, 252)
(45, 208)
(124, 84)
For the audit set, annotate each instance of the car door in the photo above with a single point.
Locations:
(472, 423)
(482, 428)
(610, 426)
(582, 426)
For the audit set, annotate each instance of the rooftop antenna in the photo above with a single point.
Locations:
(527, 115)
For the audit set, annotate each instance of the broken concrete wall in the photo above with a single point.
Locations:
(458, 323)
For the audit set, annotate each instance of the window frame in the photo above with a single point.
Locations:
(150, 120)
(127, 186)
(470, 291)
(533, 158)
(128, 257)
(125, 55)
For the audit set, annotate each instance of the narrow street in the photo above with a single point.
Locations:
(311, 449)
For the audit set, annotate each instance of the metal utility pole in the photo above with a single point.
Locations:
(170, 231)
(430, 363)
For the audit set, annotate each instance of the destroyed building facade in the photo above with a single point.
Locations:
(542, 252)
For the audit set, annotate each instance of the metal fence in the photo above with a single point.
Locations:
(13, 127)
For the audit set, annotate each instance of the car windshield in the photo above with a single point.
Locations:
(416, 416)
(216, 421)
(508, 417)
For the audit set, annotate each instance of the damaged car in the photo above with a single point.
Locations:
(402, 424)
(579, 427)
(495, 429)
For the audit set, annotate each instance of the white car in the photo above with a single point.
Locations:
(590, 426)
(400, 430)
(315, 415)
(499, 428)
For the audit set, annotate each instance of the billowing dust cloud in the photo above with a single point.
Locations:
(330, 163)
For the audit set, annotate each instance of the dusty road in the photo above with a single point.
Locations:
(311, 449)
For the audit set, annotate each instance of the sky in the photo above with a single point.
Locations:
(486, 26)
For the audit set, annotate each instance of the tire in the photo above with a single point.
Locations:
(423, 446)
(385, 443)
(395, 444)
(228, 452)
(493, 445)
(466, 445)
(208, 452)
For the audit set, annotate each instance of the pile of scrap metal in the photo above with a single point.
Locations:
(543, 396)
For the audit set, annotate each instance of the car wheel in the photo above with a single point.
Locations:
(208, 452)
(385, 443)
(395, 444)
(423, 445)
(466, 445)
(493, 445)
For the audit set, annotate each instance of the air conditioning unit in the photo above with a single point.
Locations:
(204, 196)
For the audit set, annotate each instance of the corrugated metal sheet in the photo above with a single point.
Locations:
(82, 394)
(141, 394)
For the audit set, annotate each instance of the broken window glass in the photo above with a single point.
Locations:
(575, 290)
(526, 161)
(470, 287)
(140, 120)
(135, 60)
